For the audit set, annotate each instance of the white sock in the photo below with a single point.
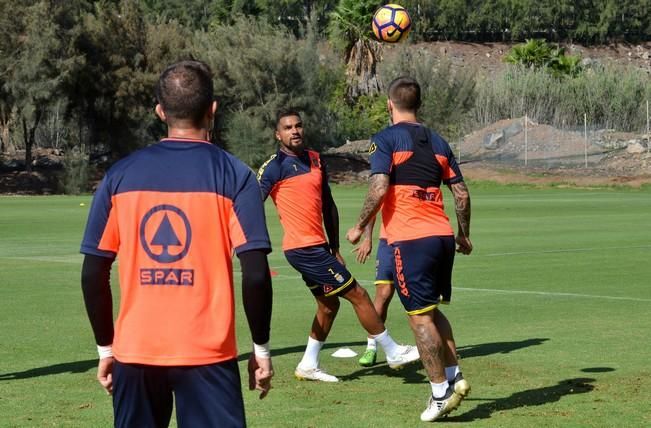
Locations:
(370, 343)
(439, 389)
(451, 372)
(311, 356)
(390, 347)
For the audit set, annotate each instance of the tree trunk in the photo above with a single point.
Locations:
(6, 146)
(4, 138)
(361, 69)
(29, 135)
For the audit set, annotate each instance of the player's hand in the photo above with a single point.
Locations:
(339, 258)
(363, 251)
(260, 373)
(353, 234)
(464, 246)
(105, 374)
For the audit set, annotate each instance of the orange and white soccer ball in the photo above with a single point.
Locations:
(391, 23)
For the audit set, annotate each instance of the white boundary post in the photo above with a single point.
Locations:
(459, 138)
(648, 138)
(525, 140)
(585, 138)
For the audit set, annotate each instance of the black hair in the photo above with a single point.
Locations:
(185, 91)
(284, 112)
(404, 92)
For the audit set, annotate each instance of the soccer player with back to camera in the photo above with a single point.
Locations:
(297, 181)
(408, 164)
(173, 213)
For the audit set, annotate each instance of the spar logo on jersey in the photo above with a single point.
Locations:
(165, 236)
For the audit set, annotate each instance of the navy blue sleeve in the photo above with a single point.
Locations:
(97, 221)
(268, 176)
(249, 211)
(451, 173)
(381, 155)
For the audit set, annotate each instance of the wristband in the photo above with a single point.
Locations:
(105, 351)
(262, 350)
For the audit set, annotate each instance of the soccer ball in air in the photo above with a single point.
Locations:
(391, 23)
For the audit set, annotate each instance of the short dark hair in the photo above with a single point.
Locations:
(284, 112)
(404, 92)
(185, 91)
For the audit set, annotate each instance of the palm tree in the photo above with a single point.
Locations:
(350, 30)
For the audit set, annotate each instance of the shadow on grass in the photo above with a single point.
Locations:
(530, 397)
(74, 367)
(410, 373)
(484, 349)
(299, 349)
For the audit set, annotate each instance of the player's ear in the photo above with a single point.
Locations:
(160, 113)
(210, 113)
(277, 135)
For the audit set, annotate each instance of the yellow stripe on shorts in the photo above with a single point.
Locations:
(340, 288)
(423, 310)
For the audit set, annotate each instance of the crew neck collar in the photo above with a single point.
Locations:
(184, 140)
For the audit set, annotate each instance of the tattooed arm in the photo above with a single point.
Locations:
(377, 189)
(462, 208)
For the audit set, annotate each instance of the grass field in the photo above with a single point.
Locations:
(551, 315)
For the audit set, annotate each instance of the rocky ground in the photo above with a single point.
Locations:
(497, 153)
(490, 56)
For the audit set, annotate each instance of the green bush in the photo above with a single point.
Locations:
(447, 93)
(359, 120)
(538, 54)
(73, 180)
(259, 68)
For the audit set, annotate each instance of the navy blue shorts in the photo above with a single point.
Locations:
(384, 263)
(321, 271)
(423, 272)
(206, 396)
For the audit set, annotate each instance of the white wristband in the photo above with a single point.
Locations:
(262, 350)
(105, 351)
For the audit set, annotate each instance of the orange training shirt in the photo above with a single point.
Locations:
(295, 184)
(417, 161)
(173, 213)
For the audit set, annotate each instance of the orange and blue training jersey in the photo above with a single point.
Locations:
(417, 161)
(173, 213)
(296, 185)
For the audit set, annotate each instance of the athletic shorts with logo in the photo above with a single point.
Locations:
(423, 272)
(323, 274)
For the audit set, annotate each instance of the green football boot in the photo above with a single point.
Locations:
(368, 358)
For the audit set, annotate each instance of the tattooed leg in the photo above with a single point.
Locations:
(430, 345)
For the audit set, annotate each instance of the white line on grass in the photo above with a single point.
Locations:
(77, 259)
(552, 294)
(563, 250)
(495, 290)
